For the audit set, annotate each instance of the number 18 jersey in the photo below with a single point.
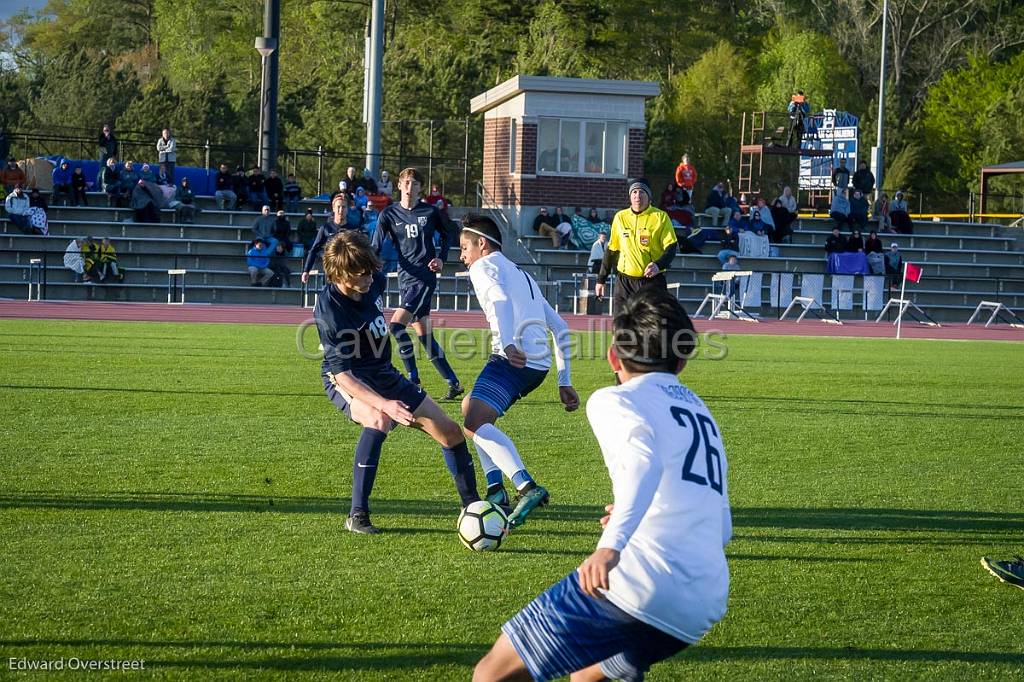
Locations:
(354, 333)
(671, 520)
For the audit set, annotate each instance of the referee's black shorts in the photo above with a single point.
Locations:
(626, 286)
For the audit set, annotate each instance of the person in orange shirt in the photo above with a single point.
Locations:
(686, 174)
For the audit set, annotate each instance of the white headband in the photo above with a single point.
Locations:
(487, 237)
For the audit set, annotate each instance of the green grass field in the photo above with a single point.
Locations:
(176, 493)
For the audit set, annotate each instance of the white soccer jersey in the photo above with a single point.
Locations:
(519, 314)
(671, 519)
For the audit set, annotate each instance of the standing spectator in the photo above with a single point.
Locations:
(855, 244)
(275, 191)
(167, 153)
(841, 176)
(597, 252)
(110, 181)
(545, 225)
(729, 245)
(12, 175)
(859, 209)
(686, 174)
(144, 203)
(279, 266)
(899, 215)
(894, 265)
(107, 144)
(714, 206)
(788, 202)
(306, 230)
(863, 179)
(240, 185)
(263, 227)
(787, 216)
(367, 182)
(73, 260)
(223, 188)
(882, 213)
(351, 181)
(62, 183)
(257, 189)
(282, 231)
(385, 186)
(257, 260)
(799, 109)
(129, 178)
(107, 265)
(836, 243)
(292, 194)
(840, 210)
(17, 204)
(184, 203)
(78, 185)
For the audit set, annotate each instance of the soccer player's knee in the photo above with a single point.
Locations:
(380, 421)
(451, 434)
(397, 328)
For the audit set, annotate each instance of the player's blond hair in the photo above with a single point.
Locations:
(348, 254)
(410, 172)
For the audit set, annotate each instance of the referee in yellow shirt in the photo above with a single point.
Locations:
(641, 247)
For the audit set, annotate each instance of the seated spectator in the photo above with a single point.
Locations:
(129, 178)
(855, 244)
(668, 197)
(565, 235)
(692, 239)
(12, 175)
(107, 267)
(353, 216)
(37, 200)
(274, 187)
(37, 217)
(263, 228)
(306, 230)
(78, 185)
(241, 188)
(682, 212)
(859, 209)
(545, 225)
(783, 224)
(146, 174)
(163, 177)
(738, 222)
(292, 194)
(881, 213)
(894, 265)
(597, 252)
(91, 258)
(282, 231)
(731, 204)
(360, 199)
(840, 210)
(61, 184)
(900, 216)
(732, 287)
(683, 196)
(730, 244)
(385, 186)
(561, 216)
(73, 260)
(279, 266)
(875, 253)
(258, 189)
(836, 243)
(343, 188)
(754, 242)
(714, 206)
(18, 205)
(435, 196)
(258, 261)
(110, 182)
(760, 213)
(584, 229)
(369, 185)
(144, 202)
(184, 203)
(224, 189)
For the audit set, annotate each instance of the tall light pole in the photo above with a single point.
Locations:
(374, 87)
(878, 153)
(267, 47)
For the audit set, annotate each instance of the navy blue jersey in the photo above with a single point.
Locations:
(328, 230)
(354, 333)
(412, 232)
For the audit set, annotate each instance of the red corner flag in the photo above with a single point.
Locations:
(914, 272)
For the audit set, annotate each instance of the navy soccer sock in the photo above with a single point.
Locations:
(460, 465)
(364, 469)
(405, 350)
(438, 359)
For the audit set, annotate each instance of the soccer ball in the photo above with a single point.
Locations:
(482, 526)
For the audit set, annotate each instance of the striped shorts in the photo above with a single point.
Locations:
(500, 384)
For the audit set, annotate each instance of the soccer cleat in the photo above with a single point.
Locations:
(360, 523)
(454, 391)
(535, 497)
(497, 496)
(1011, 572)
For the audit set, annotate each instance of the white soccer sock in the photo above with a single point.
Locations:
(486, 463)
(496, 448)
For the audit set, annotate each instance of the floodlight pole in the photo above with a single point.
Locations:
(374, 87)
(879, 150)
(267, 47)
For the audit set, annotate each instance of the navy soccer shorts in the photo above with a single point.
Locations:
(500, 384)
(417, 297)
(564, 630)
(387, 383)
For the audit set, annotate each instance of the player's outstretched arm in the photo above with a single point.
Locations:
(563, 350)
(351, 385)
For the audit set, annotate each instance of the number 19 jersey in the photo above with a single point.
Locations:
(671, 520)
(412, 232)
